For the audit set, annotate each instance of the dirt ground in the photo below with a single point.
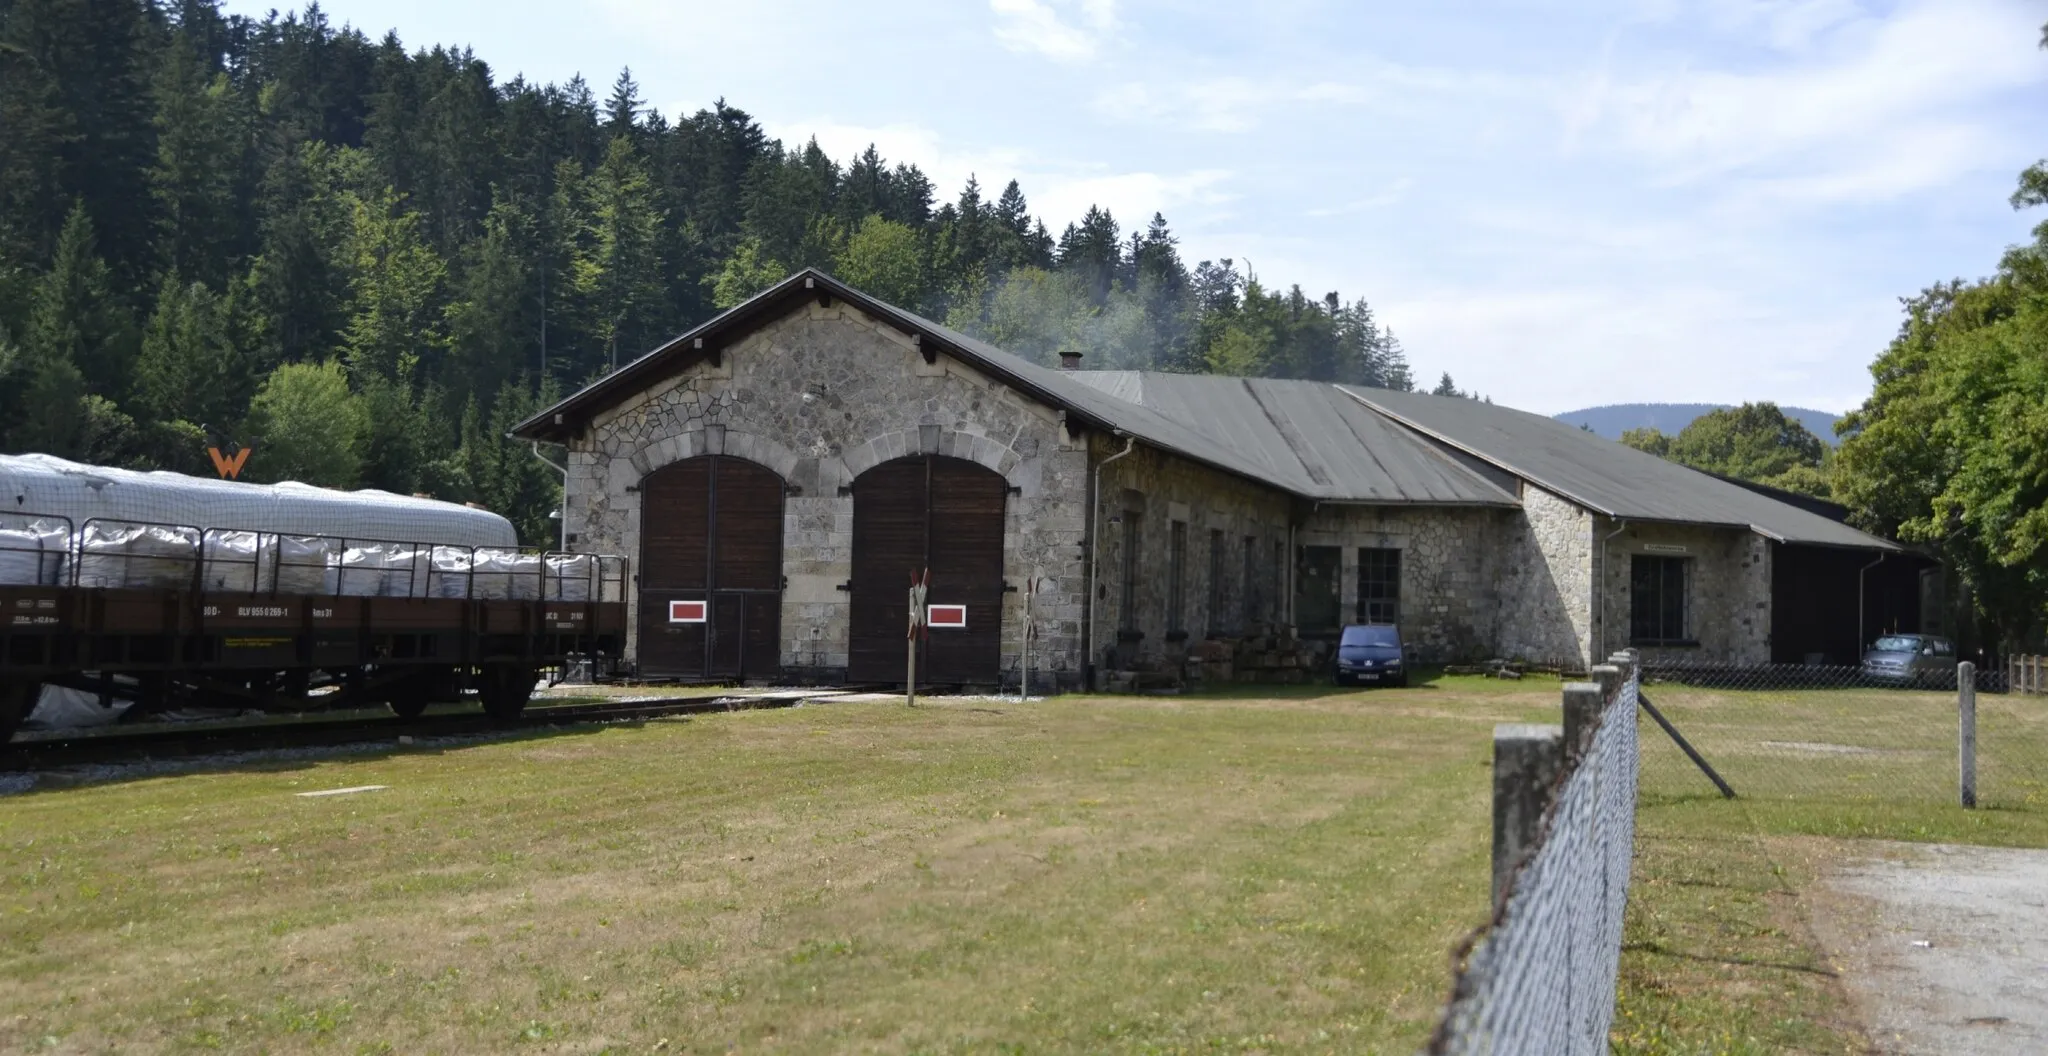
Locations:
(1944, 948)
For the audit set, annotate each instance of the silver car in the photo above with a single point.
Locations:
(1911, 659)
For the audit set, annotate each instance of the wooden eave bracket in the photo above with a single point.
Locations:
(930, 353)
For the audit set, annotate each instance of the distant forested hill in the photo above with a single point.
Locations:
(1613, 419)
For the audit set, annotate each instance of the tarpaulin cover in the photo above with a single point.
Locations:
(42, 484)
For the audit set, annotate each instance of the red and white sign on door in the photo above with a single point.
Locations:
(939, 617)
(687, 611)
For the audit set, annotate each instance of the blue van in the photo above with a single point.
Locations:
(1371, 654)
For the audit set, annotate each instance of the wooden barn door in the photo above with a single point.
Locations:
(711, 532)
(945, 514)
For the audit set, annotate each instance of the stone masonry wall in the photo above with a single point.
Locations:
(1449, 591)
(1729, 607)
(1545, 567)
(820, 396)
(1158, 489)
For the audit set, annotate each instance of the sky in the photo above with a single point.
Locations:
(1561, 202)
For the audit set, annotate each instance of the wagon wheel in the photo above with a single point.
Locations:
(505, 689)
(16, 701)
(409, 700)
(409, 697)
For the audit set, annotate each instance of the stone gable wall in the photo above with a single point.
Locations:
(1545, 569)
(820, 396)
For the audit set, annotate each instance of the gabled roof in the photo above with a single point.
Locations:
(1427, 477)
(1311, 433)
(1605, 476)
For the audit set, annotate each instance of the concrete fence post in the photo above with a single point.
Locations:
(1583, 703)
(1610, 676)
(1526, 763)
(1966, 731)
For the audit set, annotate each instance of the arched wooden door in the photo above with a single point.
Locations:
(711, 534)
(945, 514)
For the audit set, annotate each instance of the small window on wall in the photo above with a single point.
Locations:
(1276, 608)
(1318, 601)
(1177, 578)
(1127, 612)
(1250, 584)
(1214, 614)
(1379, 585)
(1660, 591)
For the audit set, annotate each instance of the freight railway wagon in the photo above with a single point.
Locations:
(169, 617)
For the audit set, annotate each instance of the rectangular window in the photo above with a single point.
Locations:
(1318, 597)
(1379, 585)
(1276, 606)
(1250, 598)
(1214, 615)
(1659, 595)
(1127, 613)
(1177, 578)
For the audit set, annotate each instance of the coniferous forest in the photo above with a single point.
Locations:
(367, 261)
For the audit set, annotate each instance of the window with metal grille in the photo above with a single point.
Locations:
(1127, 613)
(1214, 615)
(1177, 577)
(1379, 585)
(1660, 590)
(1250, 600)
(1277, 606)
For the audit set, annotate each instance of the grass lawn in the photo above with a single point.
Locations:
(1276, 872)
(1719, 956)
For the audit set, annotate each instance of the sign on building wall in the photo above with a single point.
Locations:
(943, 617)
(1666, 548)
(687, 611)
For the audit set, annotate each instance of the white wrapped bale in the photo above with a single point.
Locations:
(448, 573)
(570, 577)
(238, 562)
(506, 575)
(33, 552)
(381, 570)
(137, 556)
(305, 565)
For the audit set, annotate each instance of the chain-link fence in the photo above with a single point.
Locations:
(1841, 734)
(1540, 979)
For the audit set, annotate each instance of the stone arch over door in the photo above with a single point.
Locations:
(711, 536)
(941, 513)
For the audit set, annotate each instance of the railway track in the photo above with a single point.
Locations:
(141, 745)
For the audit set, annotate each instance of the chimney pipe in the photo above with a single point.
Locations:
(1070, 361)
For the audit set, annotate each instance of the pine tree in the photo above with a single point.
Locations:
(200, 151)
(86, 68)
(395, 281)
(622, 110)
(494, 313)
(620, 275)
(300, 273)
(195, 364)
(75, 323)
(1091, 251)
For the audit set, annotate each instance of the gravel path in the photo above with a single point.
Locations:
(1944, 948)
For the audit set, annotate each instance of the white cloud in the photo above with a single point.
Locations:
(1879, 106)
(1038, 26)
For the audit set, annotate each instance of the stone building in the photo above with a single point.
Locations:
(780, 473)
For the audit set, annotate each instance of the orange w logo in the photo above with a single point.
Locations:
(230, 468)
